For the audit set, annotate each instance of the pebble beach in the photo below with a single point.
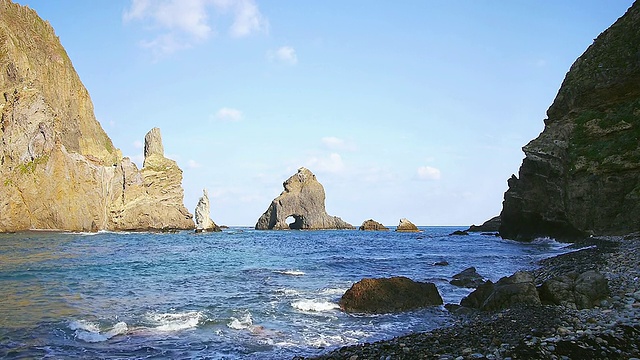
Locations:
(608, 331)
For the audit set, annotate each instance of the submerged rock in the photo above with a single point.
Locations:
(581, 175)
(406, 226)
(388, 295)
(372, 225)
(303, 200)
(202, 215)
(59, 169)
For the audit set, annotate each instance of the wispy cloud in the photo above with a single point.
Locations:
(331, 164)
(192, 164)
(180, 24)
(228, 114)
(428, 173)
(284, 54)
(336, 143)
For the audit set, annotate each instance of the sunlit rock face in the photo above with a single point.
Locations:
(58, 168)
(303, 202)
(581, 175)
(203, 213)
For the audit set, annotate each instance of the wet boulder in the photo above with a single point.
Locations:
(389, 295)
(517, 289)
(468, 278)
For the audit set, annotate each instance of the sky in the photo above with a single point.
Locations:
(412, 109)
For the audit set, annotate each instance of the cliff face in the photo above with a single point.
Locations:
(303, 200)
(58, 168)
(581, 175)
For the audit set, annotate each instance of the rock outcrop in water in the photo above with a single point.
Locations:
(406, 226)
(303, 200)
(203, 211)
(388, 295)
(581, 175)
(372, 225)
(59, 169)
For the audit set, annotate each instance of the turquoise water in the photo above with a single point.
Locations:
(234, 295)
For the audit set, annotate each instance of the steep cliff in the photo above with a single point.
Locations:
(303, 200)
(58, 168)
(581, 175)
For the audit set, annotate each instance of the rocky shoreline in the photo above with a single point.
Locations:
(610, 331)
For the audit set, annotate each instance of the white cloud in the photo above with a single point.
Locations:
(138, 144)
(229, 114)
(335, 143)
(182, 23)
(192, 164)
(428, 173)
(284, 54)
(331, 164)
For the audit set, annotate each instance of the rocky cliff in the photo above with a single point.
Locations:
(303, 200)
(581, 175)
(58, 168)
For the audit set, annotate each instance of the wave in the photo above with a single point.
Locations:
(90, 331)
(290, 272)
(314, 305)
(245, 322)
(176, 321)
(333, 291)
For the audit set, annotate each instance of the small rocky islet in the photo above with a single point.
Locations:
(579, 181)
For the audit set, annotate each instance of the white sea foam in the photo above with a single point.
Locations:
(245, 322)
(90, 331)
(288, 292)
(333, 291)
(290, 272)
(314, 305)
(176, 321)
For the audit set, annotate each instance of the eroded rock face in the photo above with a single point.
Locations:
(303, 200)
(581, 175)
(59, 169)
(406, 226)
(202, 213)
(372, 225)
(388, 295)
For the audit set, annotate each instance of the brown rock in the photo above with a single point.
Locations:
(372, 225)
(406, 226)
(389, 295)
(303, 200)
(581, 291)
(517, 289)
(59, 169)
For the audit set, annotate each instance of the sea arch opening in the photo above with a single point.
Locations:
(295, 221)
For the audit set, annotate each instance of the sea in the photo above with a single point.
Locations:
(237, 294)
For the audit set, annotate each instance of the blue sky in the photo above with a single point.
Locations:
(414, 109)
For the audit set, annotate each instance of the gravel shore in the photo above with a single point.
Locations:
(610, 331)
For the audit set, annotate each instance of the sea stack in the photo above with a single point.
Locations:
(203, 211)
(59, 169)
(372, 225)
(303, 201)
(406, 226)
(581, 175)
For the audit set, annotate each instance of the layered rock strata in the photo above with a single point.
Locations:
(58, 168)
(303, 201)
(581, 175)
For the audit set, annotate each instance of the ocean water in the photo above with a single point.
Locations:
(239, 294)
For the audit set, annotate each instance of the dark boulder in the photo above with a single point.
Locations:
(468, 278)
(517, 289)
(388, 295)
(459, 233)
(581, 291)
(490, 226)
